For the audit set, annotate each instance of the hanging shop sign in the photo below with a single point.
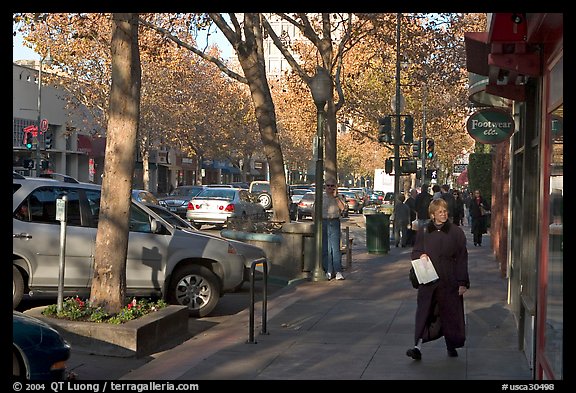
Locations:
(490, 126)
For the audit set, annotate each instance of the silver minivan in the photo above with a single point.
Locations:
(183, 266)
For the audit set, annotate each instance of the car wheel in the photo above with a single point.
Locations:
(195, 287)
(196, 225)
(265, 200)
(17, 286)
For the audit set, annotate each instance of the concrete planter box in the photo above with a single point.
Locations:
(290, 252)
(139, 337)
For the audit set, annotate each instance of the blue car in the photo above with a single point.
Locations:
(38, 351)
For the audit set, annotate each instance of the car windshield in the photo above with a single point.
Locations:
(300, 191)
(216, 193)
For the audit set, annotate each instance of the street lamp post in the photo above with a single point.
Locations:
(397, 133)
(321, 87)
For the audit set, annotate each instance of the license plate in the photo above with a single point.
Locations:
(172, 209)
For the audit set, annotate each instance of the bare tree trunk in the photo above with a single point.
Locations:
(252, 62)
(109, 280)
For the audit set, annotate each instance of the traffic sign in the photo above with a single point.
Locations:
(44, 125)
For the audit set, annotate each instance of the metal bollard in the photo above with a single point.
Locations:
(264, 300)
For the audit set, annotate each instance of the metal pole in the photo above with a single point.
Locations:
(397, 134)
(62, 216)
(318, 274)
(39, 117)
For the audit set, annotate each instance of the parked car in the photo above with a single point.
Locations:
(388, 199)
(376, 197)
(172, 218)
(249, 252)
(177, 200)
(240, 184)
(364, 197)
(39, 352)
(353, 201)
(183, 267)
(261, 189)
(216, 205)
(306, 206)
(144, 196)
(58, 176)
(298, 193)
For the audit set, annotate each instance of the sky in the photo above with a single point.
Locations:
(20, 52)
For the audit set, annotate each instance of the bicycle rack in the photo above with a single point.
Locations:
(264, 299)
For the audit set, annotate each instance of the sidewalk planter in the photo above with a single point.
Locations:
(378, 233)
(139, 337)
(289, 252)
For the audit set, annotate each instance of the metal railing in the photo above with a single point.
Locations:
(264, 264)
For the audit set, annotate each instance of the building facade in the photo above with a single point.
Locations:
(518, 64)
(74, 145)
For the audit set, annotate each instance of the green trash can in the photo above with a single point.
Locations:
(378, 233)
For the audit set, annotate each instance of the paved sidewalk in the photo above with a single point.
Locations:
(356, 329)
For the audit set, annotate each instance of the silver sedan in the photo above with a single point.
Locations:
(216, 205)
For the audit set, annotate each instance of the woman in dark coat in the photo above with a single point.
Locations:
(479, 225)
(440, 309)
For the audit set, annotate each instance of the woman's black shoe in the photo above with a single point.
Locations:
(415, 353)
(452, 353)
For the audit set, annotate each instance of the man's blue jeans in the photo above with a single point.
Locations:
(331, 256)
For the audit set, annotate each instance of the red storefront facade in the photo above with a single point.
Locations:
(517, 64)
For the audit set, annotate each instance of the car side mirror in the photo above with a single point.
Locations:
(156, 226)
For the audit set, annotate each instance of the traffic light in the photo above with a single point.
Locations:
(388, 164)
(27, 141)
(416, 149)
(408, 129)
(430, 149)
(385, 129)
(47, 141)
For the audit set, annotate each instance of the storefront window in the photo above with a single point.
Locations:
(554, 299)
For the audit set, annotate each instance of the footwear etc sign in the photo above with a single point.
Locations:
(490, 126)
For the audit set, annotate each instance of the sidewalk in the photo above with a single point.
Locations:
(356, 329)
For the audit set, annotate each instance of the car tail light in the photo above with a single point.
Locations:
(190, 206)
(229, 208)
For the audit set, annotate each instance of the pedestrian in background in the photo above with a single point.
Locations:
(458, 208)
(411, 203)
(478, 209)
(440, 303)
(422, 203)
(332, 208)
(401, 221)
(436, 193)
(449, 198)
